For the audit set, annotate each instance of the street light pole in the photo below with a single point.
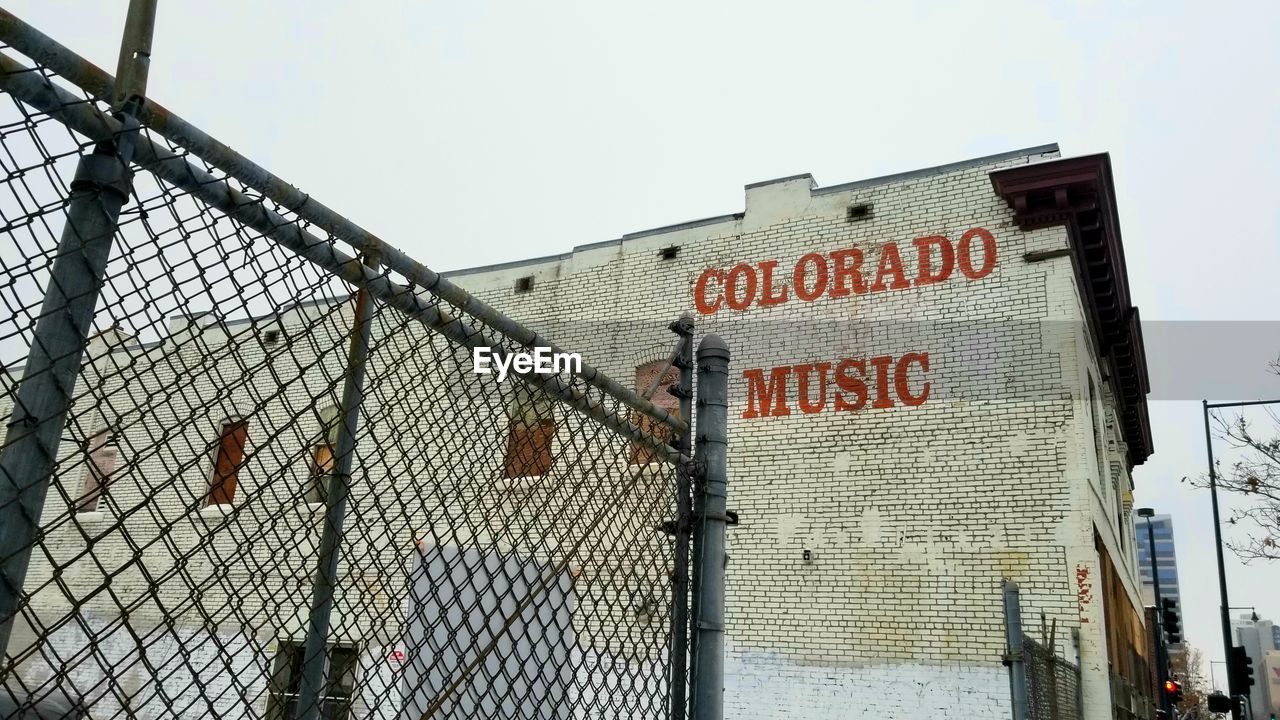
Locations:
(1217, 536)
(1213, 679)
(1222, 568)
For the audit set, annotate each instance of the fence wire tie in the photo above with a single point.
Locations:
(694, 469)
(728, 517)
(682, 326)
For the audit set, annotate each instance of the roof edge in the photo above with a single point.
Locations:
(939, 169)
(731, 217)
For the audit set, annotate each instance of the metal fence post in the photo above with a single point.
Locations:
(326, 580)
(1055, 709)
(1079, 689)
(101, 186)
(707, 681)
(683, 526)
(1014, 655)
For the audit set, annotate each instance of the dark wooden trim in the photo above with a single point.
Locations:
(1041, 255)
(1078, 193)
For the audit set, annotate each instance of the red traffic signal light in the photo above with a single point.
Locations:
(1173, 689)
(1170, 686)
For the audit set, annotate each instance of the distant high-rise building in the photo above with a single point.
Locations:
(1271, 677)
(1166, 558)
(1258, 637)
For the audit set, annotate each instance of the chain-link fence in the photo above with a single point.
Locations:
(1053, 684)
(250, 470)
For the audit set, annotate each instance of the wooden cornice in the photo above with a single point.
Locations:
(1078, 193)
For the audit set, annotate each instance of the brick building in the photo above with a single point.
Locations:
(922, 427)
(937, 382)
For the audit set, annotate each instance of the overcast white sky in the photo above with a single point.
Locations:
(471, 132)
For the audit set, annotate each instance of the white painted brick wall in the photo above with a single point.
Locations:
(912, 515)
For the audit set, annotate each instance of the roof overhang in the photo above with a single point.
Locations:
(1079, 194)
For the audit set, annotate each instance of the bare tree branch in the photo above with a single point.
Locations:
(1255, 476)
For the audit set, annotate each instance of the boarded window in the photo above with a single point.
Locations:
(103, 453)
(530, 436)
(529, 449)
(286, 681)
(344, 661)
(323, 456)
(645, 376)
(1127, 639)
(322, 464)
(227, 461)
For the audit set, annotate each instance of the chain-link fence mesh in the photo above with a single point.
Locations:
(500, 551)
(1053, 684)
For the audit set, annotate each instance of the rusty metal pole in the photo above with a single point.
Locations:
(314, 670)
(19, 81)
(102, 184)
(197, 143)
(134, 63)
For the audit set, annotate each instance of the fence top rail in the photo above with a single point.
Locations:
(99, 84)
(90, 121)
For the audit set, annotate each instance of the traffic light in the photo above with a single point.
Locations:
(1171, 620)
(1219, 703)
(1239, 671)
(1173, 690)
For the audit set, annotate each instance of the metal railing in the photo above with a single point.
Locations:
(249, 470)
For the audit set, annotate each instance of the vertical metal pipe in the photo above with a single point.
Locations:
(697, 480)
(48, 381)
(1075, 637)
(680, 571)
(1222, 568)
(323, 589)
(101, 186)
(134, 62)
(707, 682)
(1016, 656)
(1055, 712)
